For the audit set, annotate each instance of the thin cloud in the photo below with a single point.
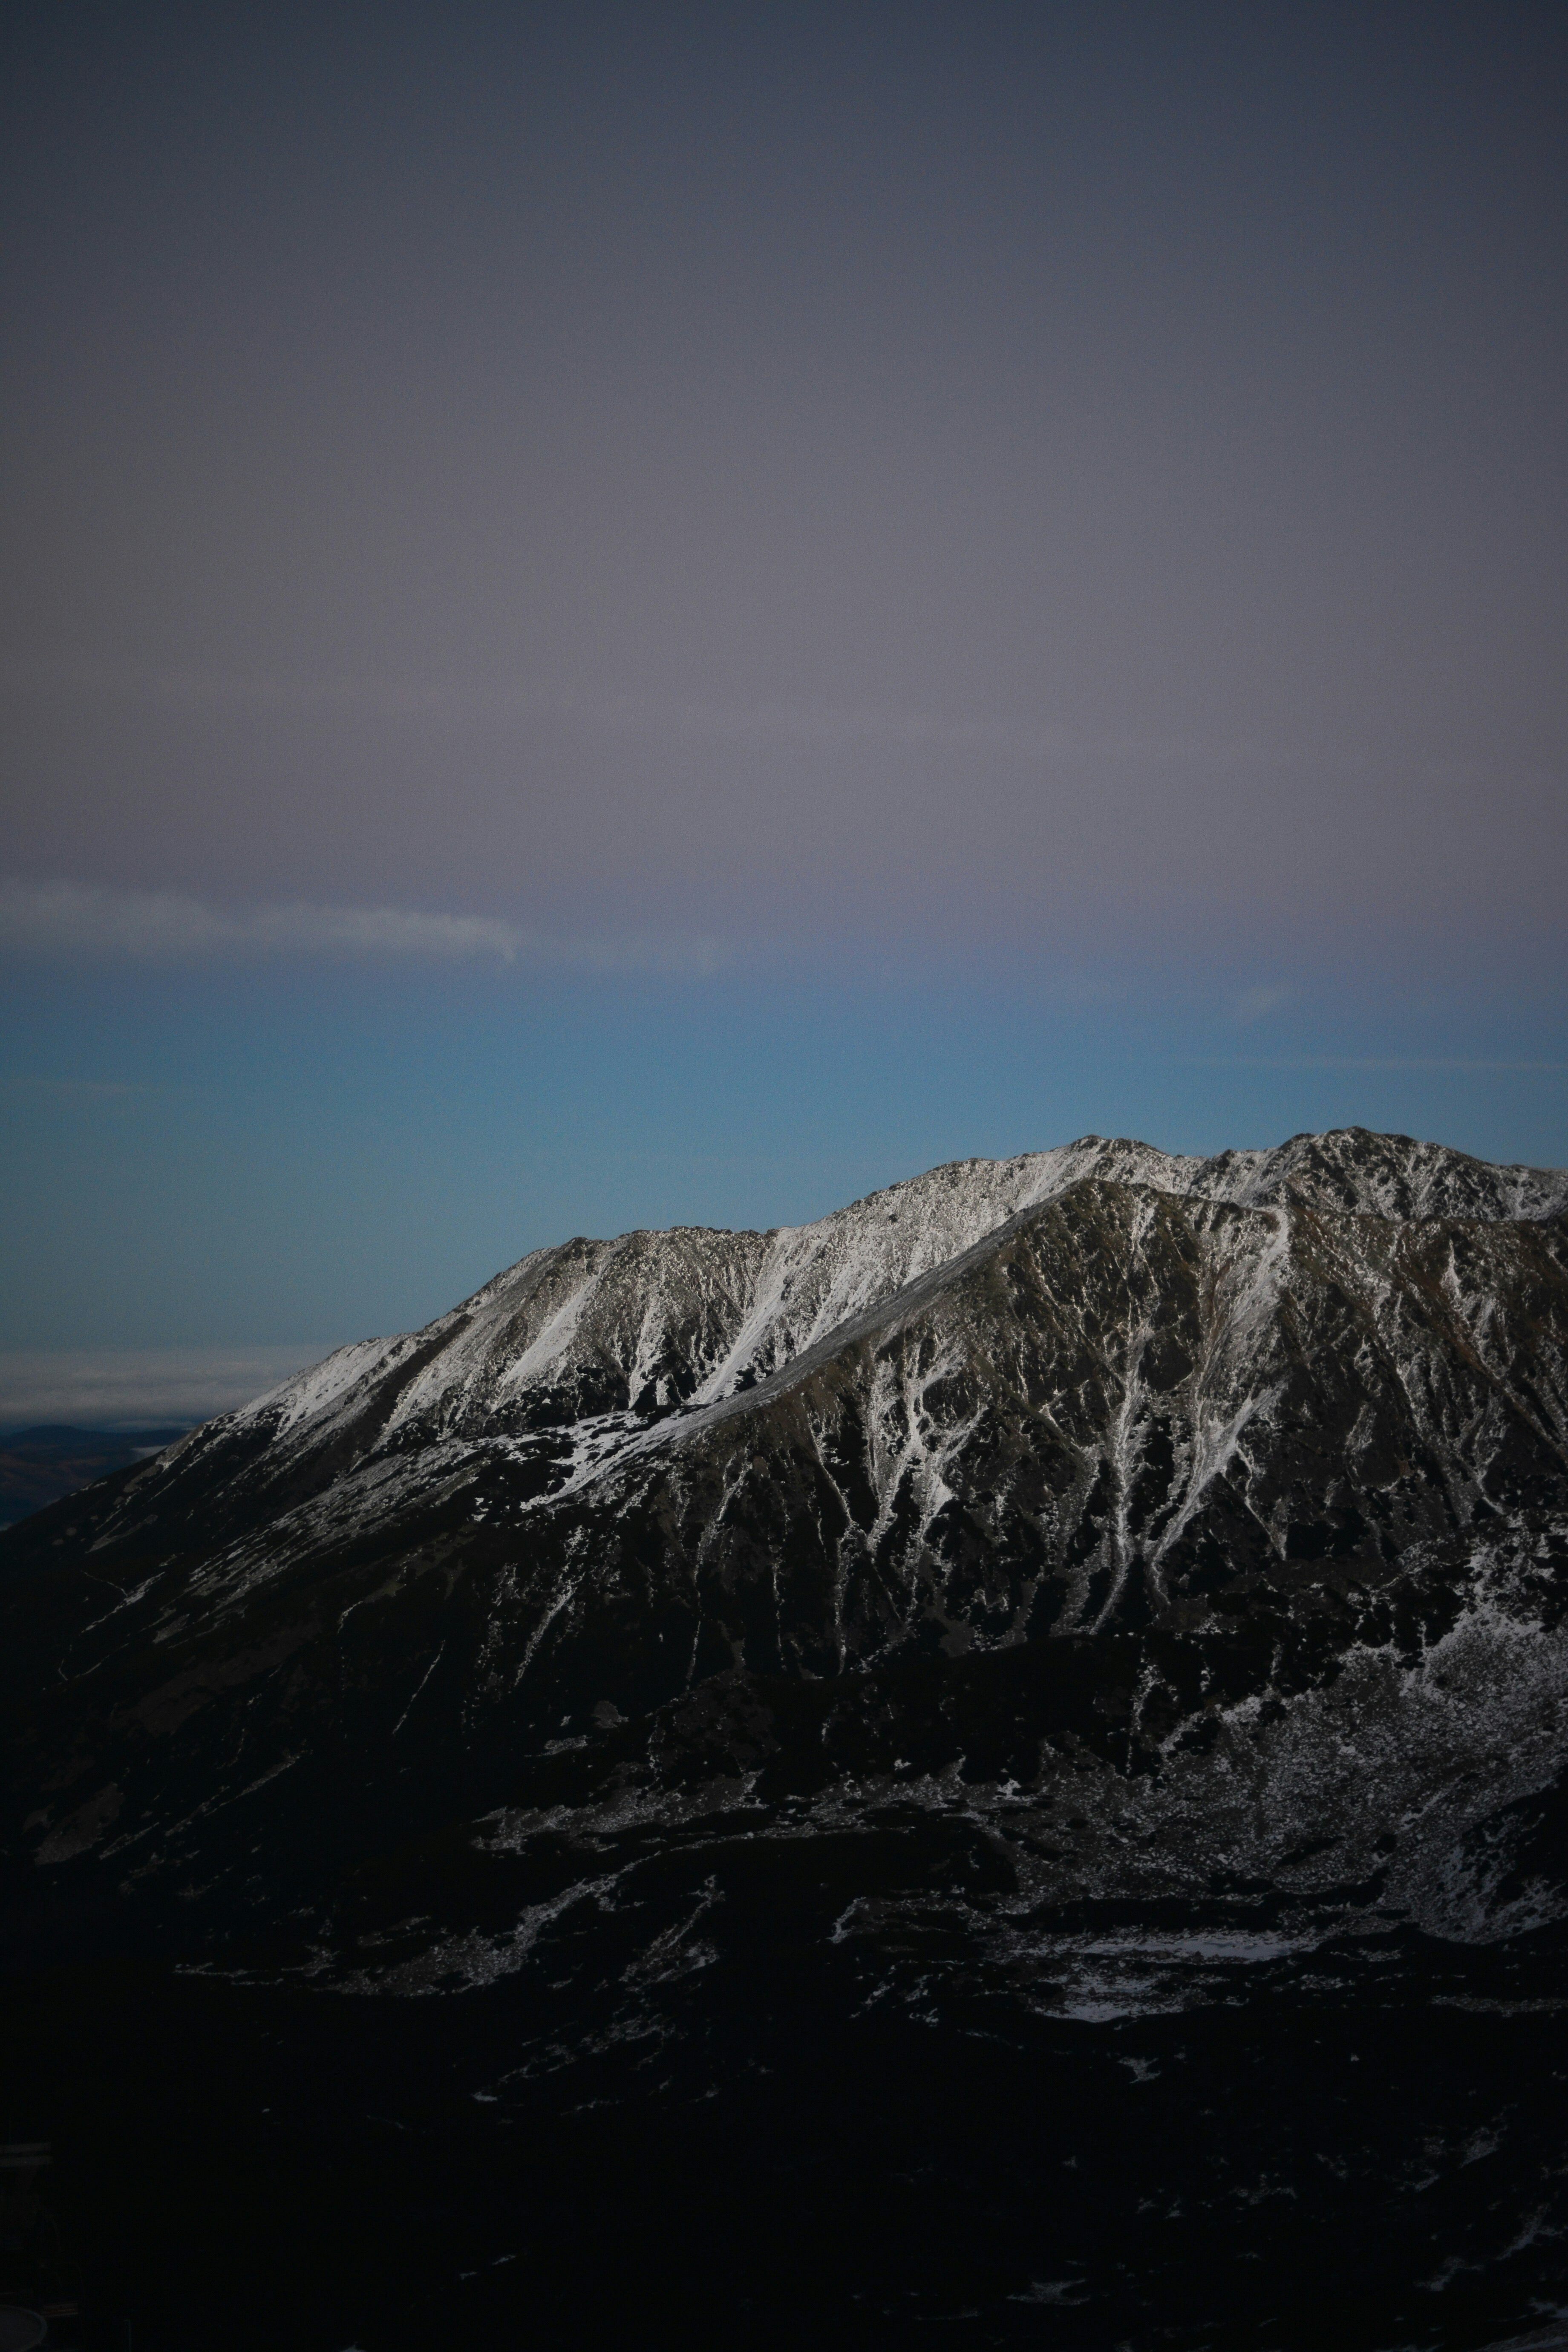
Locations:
(811, 724)
(1257, 1004)
(78, 922)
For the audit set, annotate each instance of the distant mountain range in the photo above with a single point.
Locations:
(37, 1466)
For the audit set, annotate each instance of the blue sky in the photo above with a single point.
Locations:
(284, 1156)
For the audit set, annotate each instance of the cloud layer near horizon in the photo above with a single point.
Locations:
(131, 1388)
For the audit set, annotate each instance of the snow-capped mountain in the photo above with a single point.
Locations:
(1253, 1469)
(692, 1316)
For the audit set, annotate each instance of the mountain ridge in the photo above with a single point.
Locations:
(1254, 1437)
(784, 1260)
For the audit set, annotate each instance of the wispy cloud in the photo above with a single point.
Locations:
(1257, 1004)
(81, 921)
(806, 723)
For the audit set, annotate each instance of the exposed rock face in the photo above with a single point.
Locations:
(1090, 1526)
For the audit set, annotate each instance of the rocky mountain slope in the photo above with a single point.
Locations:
(1167, 1521)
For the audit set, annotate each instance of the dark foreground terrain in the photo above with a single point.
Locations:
(993, 1769)
(1365, 2152)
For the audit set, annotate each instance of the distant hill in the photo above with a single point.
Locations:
(40, 1466)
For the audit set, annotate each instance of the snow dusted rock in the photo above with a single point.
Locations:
(1090, 1526)
(655, 1319)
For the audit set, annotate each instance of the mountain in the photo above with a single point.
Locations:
(1086, 1585)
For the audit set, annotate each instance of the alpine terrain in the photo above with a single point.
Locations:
(994, 1763)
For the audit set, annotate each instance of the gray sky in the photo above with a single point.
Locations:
(794, 471)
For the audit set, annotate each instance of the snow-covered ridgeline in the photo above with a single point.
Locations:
(1366, 1286)
(691, 1314)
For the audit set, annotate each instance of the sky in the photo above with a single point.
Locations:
(616, 616)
